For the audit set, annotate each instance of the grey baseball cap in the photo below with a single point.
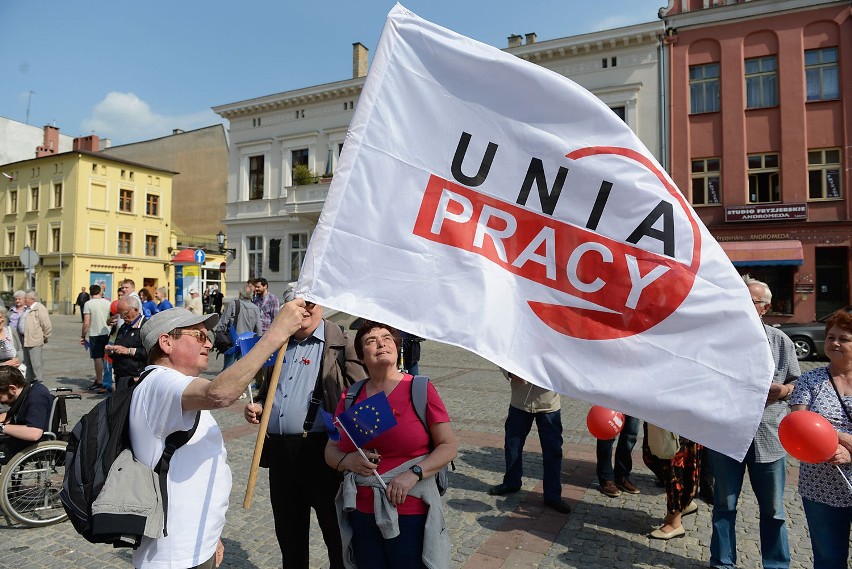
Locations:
(171, 319)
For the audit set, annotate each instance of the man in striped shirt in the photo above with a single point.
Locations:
(766, 459)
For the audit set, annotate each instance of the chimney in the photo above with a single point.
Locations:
(51, 142)
(531, 38)
(359, 60)
(89, 143)
(515, 40)
(177, 131)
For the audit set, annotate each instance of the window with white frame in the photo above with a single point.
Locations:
(125, 239)
(255, 177)
(301, 148)
(822, 74)
(125, 200)
(298, 247)
(761, 82)
(254, 254)
(32, 237)
(11, 246)
(13, 201)
(34, 198)
(706, 176)
(704, 88)
(152, 245)
(57, 195)
(152, 205)
(764, 179)
(824, 179)
(55, 239)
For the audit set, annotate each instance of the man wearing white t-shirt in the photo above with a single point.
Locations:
(167, 400)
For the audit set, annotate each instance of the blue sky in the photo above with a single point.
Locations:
(131, 71)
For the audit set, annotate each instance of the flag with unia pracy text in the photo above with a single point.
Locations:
(487, 202)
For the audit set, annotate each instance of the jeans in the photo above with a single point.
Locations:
(518, 425)
(372, 551)
(767, 481)
(623, 452)
(829, 527)
(107, 374)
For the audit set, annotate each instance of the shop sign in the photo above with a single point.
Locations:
(767, 212)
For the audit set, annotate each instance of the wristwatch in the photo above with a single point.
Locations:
(3, 428)
(415, 469)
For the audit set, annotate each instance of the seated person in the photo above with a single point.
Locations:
(28, 415)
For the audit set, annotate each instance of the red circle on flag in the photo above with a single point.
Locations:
(656, 302)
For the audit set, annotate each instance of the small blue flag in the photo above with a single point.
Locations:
(368, 419)
(247, 340)
(328, 421)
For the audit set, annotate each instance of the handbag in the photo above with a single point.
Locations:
(663, 444)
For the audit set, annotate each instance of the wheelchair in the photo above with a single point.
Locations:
(32, 479)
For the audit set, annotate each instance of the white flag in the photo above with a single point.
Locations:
(490, 203)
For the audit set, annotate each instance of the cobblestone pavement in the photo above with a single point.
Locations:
(486, 531)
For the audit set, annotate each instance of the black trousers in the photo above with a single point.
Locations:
(299, 479)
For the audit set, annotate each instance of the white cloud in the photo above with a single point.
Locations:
(124, 117)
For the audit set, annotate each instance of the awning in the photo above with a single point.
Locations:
(751, 253)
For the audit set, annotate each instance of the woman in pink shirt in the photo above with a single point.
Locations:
(407, 455)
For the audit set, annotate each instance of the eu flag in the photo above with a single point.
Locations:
(368, 419)
(328, 421)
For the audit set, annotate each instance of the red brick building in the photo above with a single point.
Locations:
(759, 109)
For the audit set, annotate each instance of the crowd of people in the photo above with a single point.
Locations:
(380, 506)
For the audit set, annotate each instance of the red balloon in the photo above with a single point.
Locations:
(808, 436)
(604, 423)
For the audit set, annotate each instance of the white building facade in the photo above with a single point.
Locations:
(280, 141)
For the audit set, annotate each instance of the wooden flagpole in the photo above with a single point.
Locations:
(264, 423)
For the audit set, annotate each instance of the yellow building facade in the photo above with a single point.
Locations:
(91, 218)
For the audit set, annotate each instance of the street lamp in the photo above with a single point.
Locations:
(220, 240)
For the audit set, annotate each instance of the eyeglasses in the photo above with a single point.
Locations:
(310, 305)
(201, 336)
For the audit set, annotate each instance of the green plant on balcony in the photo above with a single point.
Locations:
(303, 175)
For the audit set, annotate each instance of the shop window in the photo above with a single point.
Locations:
(780, 281)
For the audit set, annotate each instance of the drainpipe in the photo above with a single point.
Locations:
(664, 131)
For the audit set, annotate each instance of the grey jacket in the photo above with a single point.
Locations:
(248, 320)
(436, 540)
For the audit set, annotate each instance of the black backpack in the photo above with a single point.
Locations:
(418, 400)
(222, 341)
(95, 443)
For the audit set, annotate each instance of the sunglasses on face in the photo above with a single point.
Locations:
(201, 336)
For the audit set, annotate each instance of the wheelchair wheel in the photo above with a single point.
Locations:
(30, 483)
